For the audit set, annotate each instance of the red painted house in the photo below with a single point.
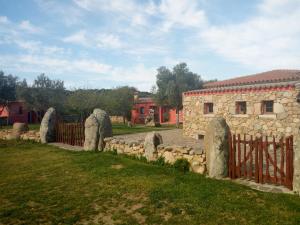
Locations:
(16, 111)
(162, 114)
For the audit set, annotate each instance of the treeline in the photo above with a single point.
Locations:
(45, 92)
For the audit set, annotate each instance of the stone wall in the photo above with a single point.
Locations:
(117, 119)
(285, 120)
(170, 153)
(33, 135)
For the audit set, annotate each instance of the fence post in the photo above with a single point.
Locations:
(275, 159)
(256, 161)
(234, 158)
(251, 158)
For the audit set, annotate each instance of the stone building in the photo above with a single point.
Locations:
(262, 104)
(267, 103)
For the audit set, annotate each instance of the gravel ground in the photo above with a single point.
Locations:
(170, 137)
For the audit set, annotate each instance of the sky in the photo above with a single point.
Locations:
(111, 43)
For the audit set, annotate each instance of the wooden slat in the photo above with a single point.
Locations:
(261, 160)
(239, 156)
(275, 159)
(251, 158)
(256, 161)
(281, 161)
(245, 162)
(291, 161)
(287, 161)
(234, 157)
(230, 155)
(267, 159)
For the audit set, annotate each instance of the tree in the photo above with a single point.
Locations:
(171, 85)
(83, 101)
(8, 84)
(122, 101)
(44, 93)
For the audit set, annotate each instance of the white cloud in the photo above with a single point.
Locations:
(62, 10)
(3, 20)
(26, 25)
(185, 13)
(85, 69)
(79, 37)
(92, 39)
(108, 41)
(266, 41)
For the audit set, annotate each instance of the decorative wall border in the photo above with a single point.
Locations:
(239, 90)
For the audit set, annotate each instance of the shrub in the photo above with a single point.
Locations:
(182, 165)
(160, 161)
(114, 152)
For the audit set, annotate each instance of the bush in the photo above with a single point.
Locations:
(182, 165)
(160, 161)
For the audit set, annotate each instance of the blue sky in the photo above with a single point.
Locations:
(110, 43)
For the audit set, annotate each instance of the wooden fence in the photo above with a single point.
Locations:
(264, 159)
(70, 133)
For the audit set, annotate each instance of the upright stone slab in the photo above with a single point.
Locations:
(17, 130)
(105, 127)
(217, 148)
(91, 133)
(97, 127)
(20, 127)
(47, 129)
(152, 140)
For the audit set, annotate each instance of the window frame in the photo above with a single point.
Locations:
(238, 107)
(264, 107)
(142, 110)
(207, 108)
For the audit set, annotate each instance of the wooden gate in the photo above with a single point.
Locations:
(264, 159)
(70, 133)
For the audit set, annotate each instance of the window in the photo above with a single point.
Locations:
(240, 107)
(20, 110)
(142, 110)
(267, 107)
(208, 108)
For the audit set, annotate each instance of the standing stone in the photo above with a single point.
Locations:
(105, 127)
(20, 127)
(217, 148)
(91, 128)
(47, 129)
(152, 140)
(17, 130)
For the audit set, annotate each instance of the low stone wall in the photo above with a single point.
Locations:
(33, 135)
(197, 160)
(117, 119)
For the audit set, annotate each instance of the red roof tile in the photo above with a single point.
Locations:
(265, 77)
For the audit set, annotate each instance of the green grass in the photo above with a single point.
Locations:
(120, 129)
(40, 184)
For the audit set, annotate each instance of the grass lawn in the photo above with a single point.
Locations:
(118, 129)
(40, 184)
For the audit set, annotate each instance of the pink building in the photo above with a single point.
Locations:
(162, 114)
(16, 111)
